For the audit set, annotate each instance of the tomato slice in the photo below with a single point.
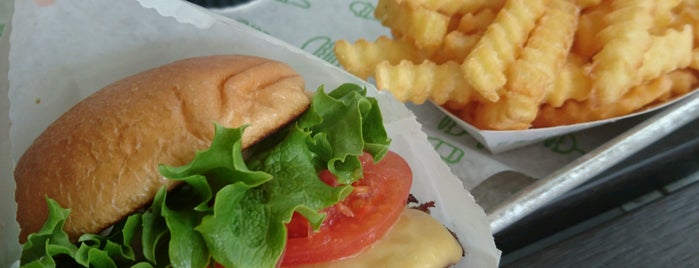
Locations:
(359, 220)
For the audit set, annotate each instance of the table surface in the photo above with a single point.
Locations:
(659, 233)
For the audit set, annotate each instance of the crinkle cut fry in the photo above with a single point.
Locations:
(663, 14)
(667, 52)
(587, 3)
(617, 45)
(423, 27)
(417, 83)
(532, 76)
(684, 81)
(590, 23)
(459, 42)
(456, 47)
(485, 66)
(688, 13)
(573, 112)
(362, 57)
(572, 82)
(694, 63)
(454, 7)
(476, 22)
(626, 38)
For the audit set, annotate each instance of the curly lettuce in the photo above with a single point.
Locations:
(231, 210)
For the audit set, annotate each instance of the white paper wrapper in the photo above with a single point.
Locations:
(8, 227)
(503, 141)
(62, 51)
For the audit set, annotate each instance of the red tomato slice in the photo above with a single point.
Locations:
(355, 223)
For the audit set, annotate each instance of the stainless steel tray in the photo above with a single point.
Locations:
(542, 191)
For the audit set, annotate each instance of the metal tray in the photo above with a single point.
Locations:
(543, 191)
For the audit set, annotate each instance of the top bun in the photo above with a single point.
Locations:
(100, 158)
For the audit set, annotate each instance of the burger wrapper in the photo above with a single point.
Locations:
(62, 51)
(8, 227)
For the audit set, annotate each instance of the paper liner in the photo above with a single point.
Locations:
(498, 141)
(62, 51)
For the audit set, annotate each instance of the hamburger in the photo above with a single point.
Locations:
(222, 159)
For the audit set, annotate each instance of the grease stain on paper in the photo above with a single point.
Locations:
(299, 3)
(44, 3)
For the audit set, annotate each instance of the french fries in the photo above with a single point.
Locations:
(533, 74)
(361, 57)
(625, 39)
(571, 83)
(500, 45)
(452, 7)
(418, 82)
(425, 27)
(516, 64)
(573, 111)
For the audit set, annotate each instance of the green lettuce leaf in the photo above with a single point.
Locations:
(50, 241)
(229, 209)
(247, 229)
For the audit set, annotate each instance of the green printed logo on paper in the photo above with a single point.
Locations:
(364, 10)
(566, 144)
(449, 153)
(449, 126)
(321, 47)
(298, 3)
(251, 25)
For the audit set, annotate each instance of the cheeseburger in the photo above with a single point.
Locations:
(222, 160)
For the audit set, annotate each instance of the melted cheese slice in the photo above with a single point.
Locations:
(416, 240)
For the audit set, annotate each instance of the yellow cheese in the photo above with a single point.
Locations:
(416, 240)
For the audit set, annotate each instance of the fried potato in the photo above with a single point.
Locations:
(688, 15)
(625, 40)
(476, 22)
(577, 112)
(361, 57)
(670, 51)
(456, 47)
(663, 15)
(500, 45)
(590, 23)
(690, 2)
(572, 83)
(546, 51)
(533, 74)
(694, 63)
(683, 81)
(583, 4)
(419, 82)
(425, 28)
(454, 7)
(511, 112)
(516, 64)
